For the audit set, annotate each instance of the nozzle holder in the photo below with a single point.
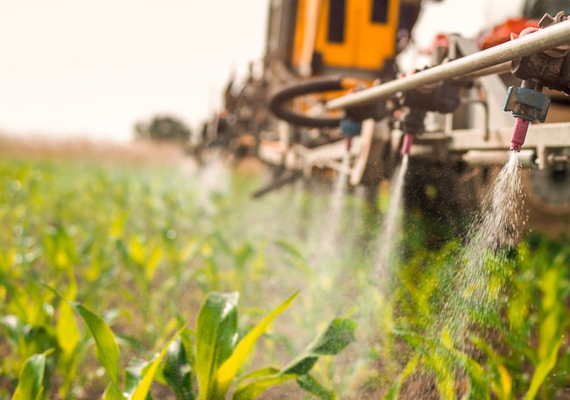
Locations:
(349, 128)
(528, 104)
(442, 98)
(412, 121)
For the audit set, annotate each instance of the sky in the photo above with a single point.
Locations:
(93, 69)
(463, 16)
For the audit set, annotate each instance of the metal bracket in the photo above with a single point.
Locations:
(527, 103)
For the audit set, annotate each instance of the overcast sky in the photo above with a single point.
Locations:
(93, 68)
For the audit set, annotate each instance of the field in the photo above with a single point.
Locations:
(118, 274)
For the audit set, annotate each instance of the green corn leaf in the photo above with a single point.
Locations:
(152, 264)
(394, 391)
(289, 248)
(118, 225)
(221, 243)
(144, 386)
(477, 376)
(134, 374)
(260, 373)
(113, 393)
(242, 255)
(450, 355)
(230, 368)
(106, 346)
(215, 337)
(136, 251)
(444, 377)
(187, 339)
(30, 386)
(178, 370)
(67, 331)
(332, 341)
(301, 365)
(14, 328)
(297, 260)
(311, 385)
(501, 381)
(543, 369)
(338, 335)
(253, 390)
(189, 251)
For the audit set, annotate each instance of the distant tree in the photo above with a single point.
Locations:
(163, 127)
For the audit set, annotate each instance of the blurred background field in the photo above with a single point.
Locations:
(147, 238)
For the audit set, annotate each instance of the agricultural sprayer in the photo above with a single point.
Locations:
(333, 79)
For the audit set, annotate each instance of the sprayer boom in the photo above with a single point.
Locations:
(545, 39)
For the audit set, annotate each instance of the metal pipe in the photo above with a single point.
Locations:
(498, 157)
(544, 39)
(496, 69)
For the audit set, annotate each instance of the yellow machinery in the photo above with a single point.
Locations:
(354, 37)
(456, 118)
(317, 50)
(337, 40)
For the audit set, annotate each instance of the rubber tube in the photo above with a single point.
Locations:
(277, 101)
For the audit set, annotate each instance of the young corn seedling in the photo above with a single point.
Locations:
(212, 362)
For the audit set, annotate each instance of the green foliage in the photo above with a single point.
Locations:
(163, 127)
(334, 339)
(30, 386)
(394, 390)
(218, 358)
(338, 334)
(178, 368)
(111, 247)
(142, 390)
(137, 253)
(492, 345)
(311, 385)
(230, 367)
(106, 345)
(215, 336)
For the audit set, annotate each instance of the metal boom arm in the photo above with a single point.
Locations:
(553, 36)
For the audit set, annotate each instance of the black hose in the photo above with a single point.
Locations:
(278, 100)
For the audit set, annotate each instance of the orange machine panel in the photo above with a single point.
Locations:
(348, 34)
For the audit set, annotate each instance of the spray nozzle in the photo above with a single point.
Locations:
(527, 104)
(407, 144)
(519, 134)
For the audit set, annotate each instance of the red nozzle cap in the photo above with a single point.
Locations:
(407, 144)
(519, 134)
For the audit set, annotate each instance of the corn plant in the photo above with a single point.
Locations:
(127, 247)
(213, 361)
(512, 348)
